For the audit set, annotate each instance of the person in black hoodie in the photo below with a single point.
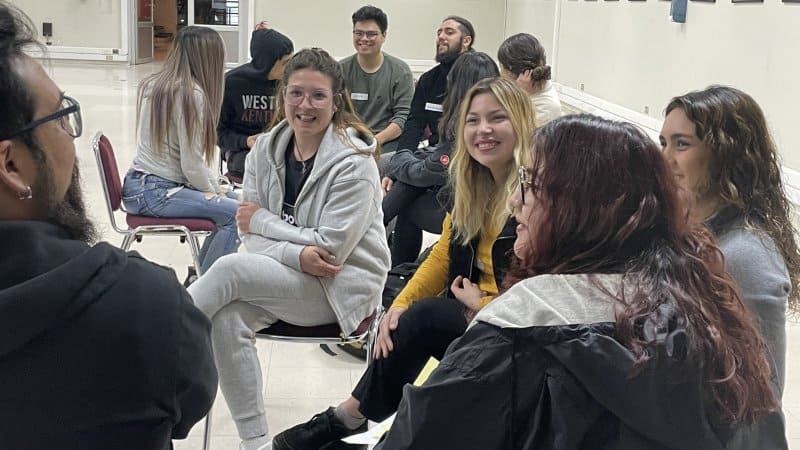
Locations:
(99, 348)
(249, 101)
(621, 328)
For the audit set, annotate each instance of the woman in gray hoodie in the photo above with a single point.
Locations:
(311, 221)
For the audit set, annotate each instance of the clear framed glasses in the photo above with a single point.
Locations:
(525, 181)
(319, 98)
(366, 34)
(68, 116)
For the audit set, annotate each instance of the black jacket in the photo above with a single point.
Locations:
(540, 369)
(429, 95)
(249, 100)
(462, 257)
(99, 349)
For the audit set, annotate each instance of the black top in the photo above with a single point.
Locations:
(426, 107)
(99, 348)
(464, 262)
(297, 173)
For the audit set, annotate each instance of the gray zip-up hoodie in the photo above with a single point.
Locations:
(338, 209)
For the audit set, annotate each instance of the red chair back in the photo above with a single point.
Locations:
(110, 172)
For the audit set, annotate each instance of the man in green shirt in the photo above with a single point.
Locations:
(381, 86)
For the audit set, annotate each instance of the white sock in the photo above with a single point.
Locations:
(350, 422)
(257, 443)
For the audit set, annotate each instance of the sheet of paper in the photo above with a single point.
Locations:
(426, 371)
(373, 435)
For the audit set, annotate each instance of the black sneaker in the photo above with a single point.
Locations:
(323, 432)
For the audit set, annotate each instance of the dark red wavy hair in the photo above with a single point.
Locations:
(609, 204)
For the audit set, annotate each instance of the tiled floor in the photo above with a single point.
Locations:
(300, 380)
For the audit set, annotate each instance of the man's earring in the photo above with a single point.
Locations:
(27, 195)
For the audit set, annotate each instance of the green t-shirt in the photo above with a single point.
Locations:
(382, 97)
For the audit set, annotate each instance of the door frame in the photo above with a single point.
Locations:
(130, 24)
(132, 32)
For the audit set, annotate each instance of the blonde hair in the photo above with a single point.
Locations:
(345, 115)
(196, 59)
(480, 201)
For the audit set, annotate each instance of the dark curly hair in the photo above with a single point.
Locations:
(633, 224)
(744, 168)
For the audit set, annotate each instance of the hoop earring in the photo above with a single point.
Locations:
(27, 195)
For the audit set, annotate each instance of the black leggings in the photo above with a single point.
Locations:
(416, 209)
(425, 330)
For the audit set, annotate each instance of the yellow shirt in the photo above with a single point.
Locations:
(430, 279)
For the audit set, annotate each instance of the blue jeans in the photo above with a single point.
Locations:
(148, 195)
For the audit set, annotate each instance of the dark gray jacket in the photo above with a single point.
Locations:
(421, 167)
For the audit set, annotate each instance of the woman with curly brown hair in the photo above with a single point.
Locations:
(721, 152)
(621, 328)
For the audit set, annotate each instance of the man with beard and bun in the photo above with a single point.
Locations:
(99, 348)
(249, 100)
(455, 36)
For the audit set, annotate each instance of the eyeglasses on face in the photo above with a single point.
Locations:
(366, 34)
(68, 116)
(525, 182)
(319, 98)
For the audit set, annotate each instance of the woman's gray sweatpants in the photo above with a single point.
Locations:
(241, 294)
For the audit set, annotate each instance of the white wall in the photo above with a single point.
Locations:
(412, 23)
(535, 17)
(629, 53)
(78, 23)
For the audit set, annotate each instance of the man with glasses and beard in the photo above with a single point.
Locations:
(455, 36)
(98, 348)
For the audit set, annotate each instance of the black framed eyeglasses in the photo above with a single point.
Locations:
(68, 116)
(525, 182)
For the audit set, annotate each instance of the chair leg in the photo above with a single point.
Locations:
(194, 247)
(207, 430)
(127, 241)
(373, 333)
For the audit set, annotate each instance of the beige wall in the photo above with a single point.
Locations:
(412, 23)
(535, 17)
(78, 23)
(630, 53)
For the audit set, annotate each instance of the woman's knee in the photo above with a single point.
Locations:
(238, 321)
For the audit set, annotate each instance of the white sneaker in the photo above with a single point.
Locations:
(257, 443)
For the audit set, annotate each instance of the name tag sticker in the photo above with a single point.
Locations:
(433, 107)
(359, 96)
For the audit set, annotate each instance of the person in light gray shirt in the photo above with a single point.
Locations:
(381, 86)
(721, 152)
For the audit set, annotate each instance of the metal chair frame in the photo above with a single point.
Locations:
(131, 234)
(367, 336)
